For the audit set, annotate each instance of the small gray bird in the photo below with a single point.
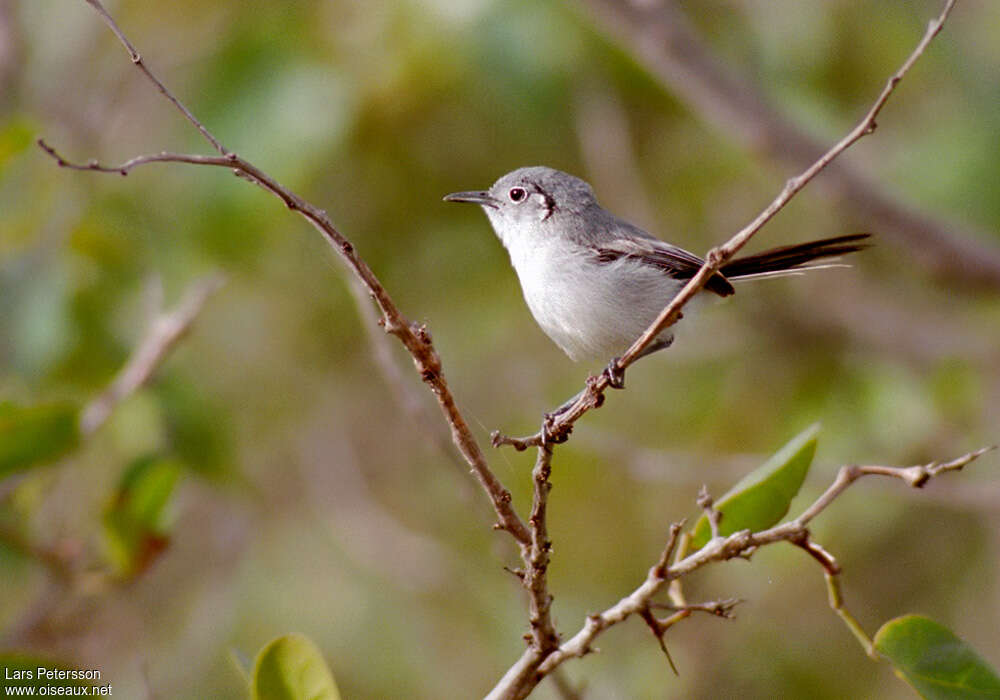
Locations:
(594, 282)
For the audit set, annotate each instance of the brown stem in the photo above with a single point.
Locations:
(593, 394)
(415, 338)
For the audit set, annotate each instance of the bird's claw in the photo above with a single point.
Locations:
(615, 374)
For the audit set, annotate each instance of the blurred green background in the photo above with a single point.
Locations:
(311, 498)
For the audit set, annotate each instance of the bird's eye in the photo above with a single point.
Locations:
(517, 194)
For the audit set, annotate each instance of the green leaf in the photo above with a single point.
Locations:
(292, 668)
(934, 661)
(33, 435)
(763, 496)
(136, 522)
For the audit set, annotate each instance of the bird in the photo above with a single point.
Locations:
(594, 282)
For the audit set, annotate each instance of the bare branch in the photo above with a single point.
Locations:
(544, 637)
(415, 338)
(720, 608)
(141, 65)
(659, 629)
(915, 476)
(162, 334)
(546, 652)
(226, 161)
(659, 626)
(663, 39)
(530, 669)
(707, 504)
(498, 439)
(592, 395)
(537, 660)
(659, 570)
(816, 551)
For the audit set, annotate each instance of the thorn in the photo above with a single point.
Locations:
(518, 573)
(658, 631)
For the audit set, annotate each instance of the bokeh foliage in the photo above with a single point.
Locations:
(308, 500)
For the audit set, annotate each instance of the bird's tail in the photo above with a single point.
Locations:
(793, 259)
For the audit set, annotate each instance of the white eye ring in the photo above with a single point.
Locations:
(517, 194)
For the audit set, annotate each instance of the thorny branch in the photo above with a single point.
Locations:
(546, 652)
(735, 545)
(535, 663)
(544, 637)
(667, 43)
(415, 338)
(557, 428)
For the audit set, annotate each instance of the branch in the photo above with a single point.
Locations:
(415, 338)
(162, 334)
(141, 65)
(544, 638)
(537, 661)
(225, 161)
(914, 476)
(558, 428)
(665, 42)
(831, 572)
(707, 504)
(64, 559)
(738, 544)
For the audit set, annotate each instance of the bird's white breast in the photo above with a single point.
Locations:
(590, 309)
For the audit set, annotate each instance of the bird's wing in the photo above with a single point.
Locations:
(673, 261)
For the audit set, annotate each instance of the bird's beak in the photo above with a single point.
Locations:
(483, 198)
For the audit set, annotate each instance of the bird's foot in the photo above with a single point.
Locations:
(615, 374)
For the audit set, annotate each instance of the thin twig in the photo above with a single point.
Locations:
(535, 663)
(162, 334)
(707, 504)
(716, 257)
(725, 548)
(720, 608)
(659, 629)
(669, 46)
(659, 569)
(141, 65)
(831, 573)
(226, 161)
(915, 476)
(414, 337)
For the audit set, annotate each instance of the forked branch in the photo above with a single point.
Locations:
(415, 338)
(592, 395)
(717, 549)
